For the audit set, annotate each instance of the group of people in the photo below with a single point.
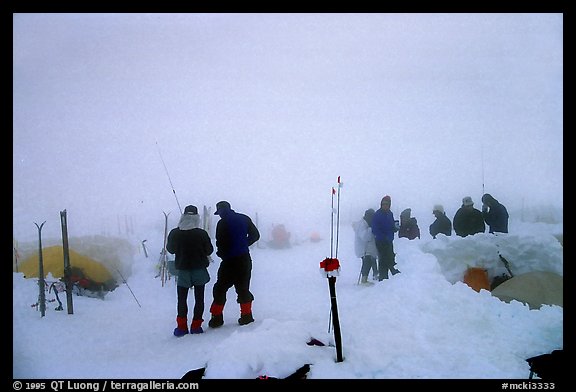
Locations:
(469, 220)
(192, 246)
(374, 233)
(235, 233)
(374, 236)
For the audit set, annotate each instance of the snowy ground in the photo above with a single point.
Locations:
(422, 324)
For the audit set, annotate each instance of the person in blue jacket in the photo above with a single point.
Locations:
(384, 227)
(235, 233)
(495, 214)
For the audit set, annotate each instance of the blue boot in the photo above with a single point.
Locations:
(182, 328)
(196, 326)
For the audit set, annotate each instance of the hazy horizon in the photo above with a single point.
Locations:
(267, 110)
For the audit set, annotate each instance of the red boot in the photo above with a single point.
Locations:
(182, 328)
(196, 326)
(245, 313)
(217, 319)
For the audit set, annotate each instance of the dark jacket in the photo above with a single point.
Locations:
(235, 232)
(468, 221)
(409, 229)
(496, 215)
(191, 247)
(441, 225)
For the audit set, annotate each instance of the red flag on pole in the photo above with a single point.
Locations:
(338, 179)
(333, 191)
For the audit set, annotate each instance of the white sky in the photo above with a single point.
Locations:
(267, 110)
(423, 323)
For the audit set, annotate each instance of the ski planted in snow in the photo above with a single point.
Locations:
(330, 267)
(41, 280)
(67, 266)
(206, 219)
(164, 254)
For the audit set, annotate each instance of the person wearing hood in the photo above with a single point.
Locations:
(383, 228)
(442, 224)
(192, 247)
(495, 214)
(408, 225)
(365, 246)
(235, 233)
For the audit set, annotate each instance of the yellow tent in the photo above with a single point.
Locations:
(53, 261)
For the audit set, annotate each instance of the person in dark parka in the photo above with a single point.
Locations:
(468, 220)
(192, 246)
(495, 214)
(408, 225)
(235, 233)
(442, 224)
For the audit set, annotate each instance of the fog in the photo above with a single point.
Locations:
(126, 116)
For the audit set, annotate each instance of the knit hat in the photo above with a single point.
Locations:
(222, 206)
(467, 201)
(439, 208)
(192, 210)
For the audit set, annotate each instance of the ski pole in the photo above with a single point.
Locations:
(53, 286)
(482, 152)
(16, 255)
(124, 281)
(332, 224)
(338, 217)
(144, 247)
(169, 179)
(331, 267)
(332, 288)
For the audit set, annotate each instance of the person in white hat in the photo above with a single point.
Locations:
(468, 220)
(442, 224)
